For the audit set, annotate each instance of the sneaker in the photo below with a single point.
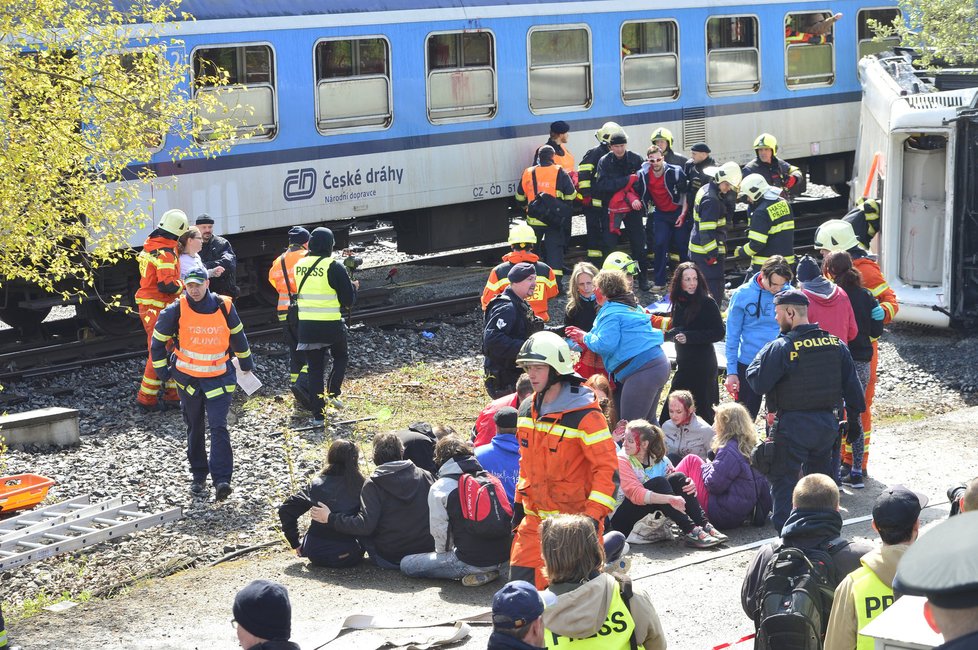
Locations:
(318, 422)
(479, 579)
(699, 538)
(302, 397)
(334, 403)
(854, 481)
(713, 532)
(846, 468)
(643, 282)
(621, 565)
(222, 491)
(198, 486)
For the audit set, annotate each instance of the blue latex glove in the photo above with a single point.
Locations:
(878, 313)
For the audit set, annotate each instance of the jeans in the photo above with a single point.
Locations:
(628, 514)
(445, 565)
(747, 396)
(375, 557)
(660, 232)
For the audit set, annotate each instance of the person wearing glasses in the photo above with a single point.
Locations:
(662, 187)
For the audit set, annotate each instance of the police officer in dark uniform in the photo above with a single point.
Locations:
(804, 373)
(941, 566)
(599, 242)
(216, 252)
(509, 322)
(613, 173)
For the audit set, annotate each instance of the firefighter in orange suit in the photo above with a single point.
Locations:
(206, 327)
(522, 238)
(568, 462)
(550, 178)
(838, 235)
(282, 277)
(159, 285)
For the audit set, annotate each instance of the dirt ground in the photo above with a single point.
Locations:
(696, 593)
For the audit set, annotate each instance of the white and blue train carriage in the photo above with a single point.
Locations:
(426, 111)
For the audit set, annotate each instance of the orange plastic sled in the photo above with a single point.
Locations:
(22, 491)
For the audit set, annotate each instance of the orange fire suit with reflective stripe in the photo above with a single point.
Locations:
(546, 282)
(159, 285)
(873, 280)
(568, 464)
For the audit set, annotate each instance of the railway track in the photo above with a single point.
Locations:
(70, 344)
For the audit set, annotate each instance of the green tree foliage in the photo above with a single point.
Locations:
(88, 94)
(945, 32)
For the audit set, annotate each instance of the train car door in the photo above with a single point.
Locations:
(964, 274)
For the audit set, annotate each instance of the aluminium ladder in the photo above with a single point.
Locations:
(71, 525)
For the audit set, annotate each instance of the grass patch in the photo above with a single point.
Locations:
(34, 606)
(892, 419)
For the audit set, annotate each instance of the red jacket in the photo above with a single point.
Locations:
(485, 426)
(621, 204)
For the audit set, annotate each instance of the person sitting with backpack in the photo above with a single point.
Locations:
(501, 457)
(788, 588)
(471, 541)
(393, 518)
(592, 604)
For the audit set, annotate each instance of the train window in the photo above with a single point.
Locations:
(809, 49)
(865, 21)
(461, 76)
(649, 61)
(353, 84)
(560, 68)
(732, 55)
(241, 80)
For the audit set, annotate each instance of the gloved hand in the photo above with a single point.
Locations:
(791, 181)
(739, 252)
(711, 260)
(574, 334)
(586, 201)
(878, 313)
(518, 514)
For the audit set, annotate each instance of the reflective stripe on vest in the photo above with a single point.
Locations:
(291, 259)
(203, 341)
(872, 597)
(614, 634)
(318, 300)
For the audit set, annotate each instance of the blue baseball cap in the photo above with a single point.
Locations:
(197, 275)
(518, 604)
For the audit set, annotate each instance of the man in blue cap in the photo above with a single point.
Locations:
(804, 373)
(282, 276)
(943, 566)
(517, 617)
(205, 328)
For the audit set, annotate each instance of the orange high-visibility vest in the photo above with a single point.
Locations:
(546, 181)
(566, 161)
(277, 279)
(203, 341)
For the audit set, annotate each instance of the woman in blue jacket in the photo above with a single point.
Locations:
(630, 349)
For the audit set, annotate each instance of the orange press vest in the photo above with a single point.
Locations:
(203, 341)
(546, 181)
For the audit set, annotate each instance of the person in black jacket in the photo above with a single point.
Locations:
(393, 517)
(695, 325)
(338, 486)
(460, 553)
(509, 322)
(837, 266)
(814, 523)
(263, 617)
(613, 173)
(419, 445)
(218, 258)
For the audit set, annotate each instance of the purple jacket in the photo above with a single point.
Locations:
(734, 487)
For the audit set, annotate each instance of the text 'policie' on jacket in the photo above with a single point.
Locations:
(203, 335)
(159, 272)
(624, 338)
(284, 282)
(551, 179)
(568, 462)
(708, 239)
(750, 323)
(546, 282)
(393, 511)
(771, 229)
(445, 516)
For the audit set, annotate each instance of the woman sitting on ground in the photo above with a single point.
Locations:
(695, 325)
(582, 309)
(650, 483)
(338, 486)
(460, 554)
(728, 487)
(685, 431)
(587, 598)
(630, 349)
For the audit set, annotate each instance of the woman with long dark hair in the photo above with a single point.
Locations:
(694, 327)
(338, 486)
(837, 266)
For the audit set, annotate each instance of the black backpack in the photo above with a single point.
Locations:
(795, 597)
(486, 510)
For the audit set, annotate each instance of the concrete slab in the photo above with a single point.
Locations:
(53, 426)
